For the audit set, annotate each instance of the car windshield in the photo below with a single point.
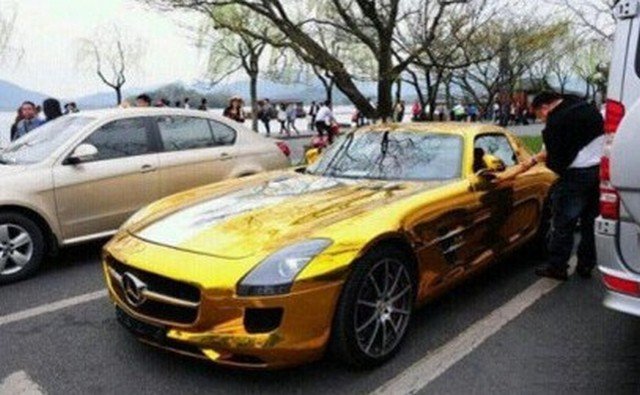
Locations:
(37, 145)
(397, 155)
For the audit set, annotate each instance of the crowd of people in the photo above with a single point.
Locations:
(30, 115)
(320, 115)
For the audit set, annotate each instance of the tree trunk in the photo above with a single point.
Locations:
(329, 91)
(398, 89)
(253, 92)
(118, 90)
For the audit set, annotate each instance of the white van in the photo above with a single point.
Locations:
(618, 227)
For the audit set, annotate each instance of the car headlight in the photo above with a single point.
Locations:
(275, 274)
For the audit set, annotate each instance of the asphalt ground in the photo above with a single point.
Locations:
(565, 342)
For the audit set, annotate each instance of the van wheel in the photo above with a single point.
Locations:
(374, 309)
(22, 247)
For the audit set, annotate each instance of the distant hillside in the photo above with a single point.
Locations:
(11, 95)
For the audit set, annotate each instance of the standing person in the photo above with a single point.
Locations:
(282, 118)
(51, 108)
(143, 100)
(398, 111)
(574, 141)
(203, 104)
(265, 115)
(313, 111)
(416, 111)
(186, 103)
(14, 127)
(292, 115)
(234, 110)
(324, 118)
(442, 112)
(29, 119)
(459, 112)
(178, 104)
(473, 112)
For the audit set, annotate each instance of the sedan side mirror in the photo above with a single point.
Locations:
(82, 153)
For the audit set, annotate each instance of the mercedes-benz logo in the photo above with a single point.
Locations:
(134, 289)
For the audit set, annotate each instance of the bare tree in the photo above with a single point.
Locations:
(373, 25)
(594, 17)
(7, 27)
(111, 56)
(230, 52)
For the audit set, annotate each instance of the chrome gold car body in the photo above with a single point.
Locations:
(198, 247)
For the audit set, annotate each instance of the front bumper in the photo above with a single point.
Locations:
(610, 263)
(221, 331)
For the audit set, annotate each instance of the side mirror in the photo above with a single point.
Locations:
(493, 163)
(82, 153)
(312, 155)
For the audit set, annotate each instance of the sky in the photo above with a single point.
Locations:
(49, 33)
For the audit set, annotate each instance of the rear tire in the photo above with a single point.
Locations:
(374, 309)
(22, 247)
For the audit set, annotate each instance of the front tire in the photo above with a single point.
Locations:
(374, 309)
(22, 247)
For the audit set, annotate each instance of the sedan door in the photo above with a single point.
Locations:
(96, 196)
(192, 154)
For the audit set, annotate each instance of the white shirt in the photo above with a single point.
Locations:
(324, 114)
(590, 154)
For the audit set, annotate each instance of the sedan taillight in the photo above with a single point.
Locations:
(284, 147)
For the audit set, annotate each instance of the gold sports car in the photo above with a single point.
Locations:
(276, 269)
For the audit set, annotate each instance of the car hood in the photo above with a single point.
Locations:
(251, 217)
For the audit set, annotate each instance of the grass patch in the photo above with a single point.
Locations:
(534, 143)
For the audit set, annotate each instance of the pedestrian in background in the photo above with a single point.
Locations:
(143, 100)
(14, 126)
(398, 111)
(203, 105)
(52, 109)
(264, 114)
(416, 111)
(574, 141)
(282, 118)
(313, 111)
(292, 115)
(324, 119)
(29, 119)
(234, 110)
(186, 103)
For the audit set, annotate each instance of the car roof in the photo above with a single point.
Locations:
(457, 128)
(140, 111)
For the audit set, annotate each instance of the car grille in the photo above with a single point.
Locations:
(160, 298)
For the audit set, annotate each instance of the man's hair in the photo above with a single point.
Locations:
(544, 98)
(29, 103)
(144, 97)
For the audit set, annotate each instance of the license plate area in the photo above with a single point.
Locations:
(139, 328)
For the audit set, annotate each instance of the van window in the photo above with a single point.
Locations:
(497, 145)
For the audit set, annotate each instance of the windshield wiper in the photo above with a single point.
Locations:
(343, 147)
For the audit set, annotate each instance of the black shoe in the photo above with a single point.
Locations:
(552, 272)
(583, 271)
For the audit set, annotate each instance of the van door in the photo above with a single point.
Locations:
(624, 86)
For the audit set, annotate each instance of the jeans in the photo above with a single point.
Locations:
(574, 197)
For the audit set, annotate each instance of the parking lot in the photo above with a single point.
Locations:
(499, 333)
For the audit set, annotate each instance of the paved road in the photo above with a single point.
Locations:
(565, 342)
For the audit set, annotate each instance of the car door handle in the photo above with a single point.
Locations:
(147, 169)
(225, 156)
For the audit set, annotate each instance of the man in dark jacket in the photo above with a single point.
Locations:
(573, 142)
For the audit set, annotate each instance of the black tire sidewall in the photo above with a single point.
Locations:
(343, 343)
(37, 239)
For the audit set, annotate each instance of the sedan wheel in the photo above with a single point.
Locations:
(16, 249)
(21, 247)
(374, 309)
